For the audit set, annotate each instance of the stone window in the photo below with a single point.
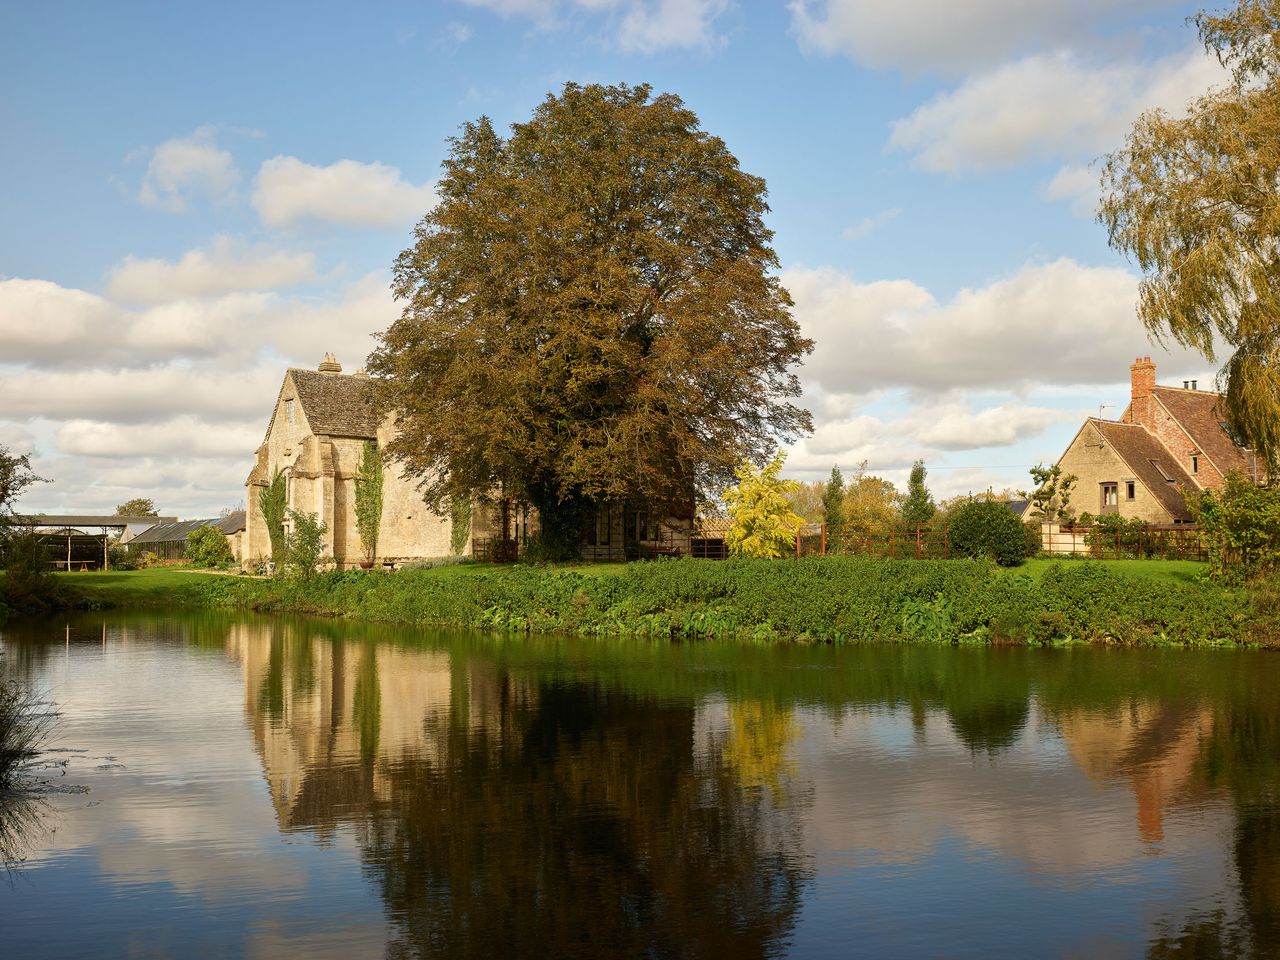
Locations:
(1195, 464)
(288, 411)
(1130, 490)
(604, 524)
(1110, 496)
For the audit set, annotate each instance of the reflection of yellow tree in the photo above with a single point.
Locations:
(759, 735)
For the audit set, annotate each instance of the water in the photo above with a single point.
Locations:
(281, 788)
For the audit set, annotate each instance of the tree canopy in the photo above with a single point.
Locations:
(138, 507)
(918, 507)
(1195, 200)
(15, 477)
(762, 521)
(591, 312)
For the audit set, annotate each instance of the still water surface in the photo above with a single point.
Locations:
(281, 788)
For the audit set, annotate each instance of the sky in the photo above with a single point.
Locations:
(195, 197)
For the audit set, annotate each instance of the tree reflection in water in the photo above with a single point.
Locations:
(580, 822)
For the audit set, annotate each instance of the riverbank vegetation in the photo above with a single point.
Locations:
(819, 599)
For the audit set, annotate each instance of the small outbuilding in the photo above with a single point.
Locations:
(168, 541)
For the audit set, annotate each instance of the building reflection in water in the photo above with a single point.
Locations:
(506, 816)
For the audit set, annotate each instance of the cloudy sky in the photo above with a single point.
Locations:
(195, 197)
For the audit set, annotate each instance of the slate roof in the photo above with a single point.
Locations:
(1151, 462)
(1200, 413)
(336, 405)
(1017, 507)
(180, 530)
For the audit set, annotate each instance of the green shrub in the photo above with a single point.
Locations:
(304, 544)
(118, 558)
(208, 547)
(986, 528)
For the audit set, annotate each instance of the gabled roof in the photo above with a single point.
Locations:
(1200, 413)
(336, 405)
(1151, 462)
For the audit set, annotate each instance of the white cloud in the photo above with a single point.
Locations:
(42, 322)
(648, 27)
(56, 327)
(184, 166)
(933, 35)
(1046, 105)
(639, 26)
(1078, 184)
(348, 192)
(225, 265)
(869, 225)
(140, 395)
(184, 436)
(1055, 323)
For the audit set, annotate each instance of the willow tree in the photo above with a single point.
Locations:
(590, 313)
(1195, 200)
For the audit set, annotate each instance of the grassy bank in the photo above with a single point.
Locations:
(829, 599)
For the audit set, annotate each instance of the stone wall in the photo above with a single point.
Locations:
(1095, 463)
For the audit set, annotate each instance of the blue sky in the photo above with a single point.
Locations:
(197, 196)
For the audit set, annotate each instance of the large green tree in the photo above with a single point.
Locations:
(591, 312)
(138, 507)
(1195, 200)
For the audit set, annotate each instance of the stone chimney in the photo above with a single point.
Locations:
(330, 364)
(1142, 384)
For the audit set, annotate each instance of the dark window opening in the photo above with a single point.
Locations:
(1195, 464)
(1130, 490)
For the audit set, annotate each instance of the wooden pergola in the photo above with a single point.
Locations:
(73, 529)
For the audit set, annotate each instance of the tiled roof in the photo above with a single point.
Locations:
(1152, 464)
(1200, 413)
(711, 528)
(337, 405)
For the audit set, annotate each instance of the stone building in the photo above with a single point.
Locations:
(316, 437)
(1168, 441)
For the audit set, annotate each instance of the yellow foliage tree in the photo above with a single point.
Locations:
(763, 523)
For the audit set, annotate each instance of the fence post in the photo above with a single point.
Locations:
(891, 533)
(946, 543)
(917, 541)
(824, 539)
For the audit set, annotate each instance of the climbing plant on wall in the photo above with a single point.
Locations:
(273, 502)
(369, 499)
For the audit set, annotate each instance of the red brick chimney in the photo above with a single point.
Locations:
(1142, 382)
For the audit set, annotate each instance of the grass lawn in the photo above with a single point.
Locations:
(1167, 571)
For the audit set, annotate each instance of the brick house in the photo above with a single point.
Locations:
(1169, 440)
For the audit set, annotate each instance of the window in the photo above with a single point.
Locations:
(1162, 471)
(604, 524)
(1130, 490)
(288, 411)
(1195, 464)
(1109, 495)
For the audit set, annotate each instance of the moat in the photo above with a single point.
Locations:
(222, 786)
